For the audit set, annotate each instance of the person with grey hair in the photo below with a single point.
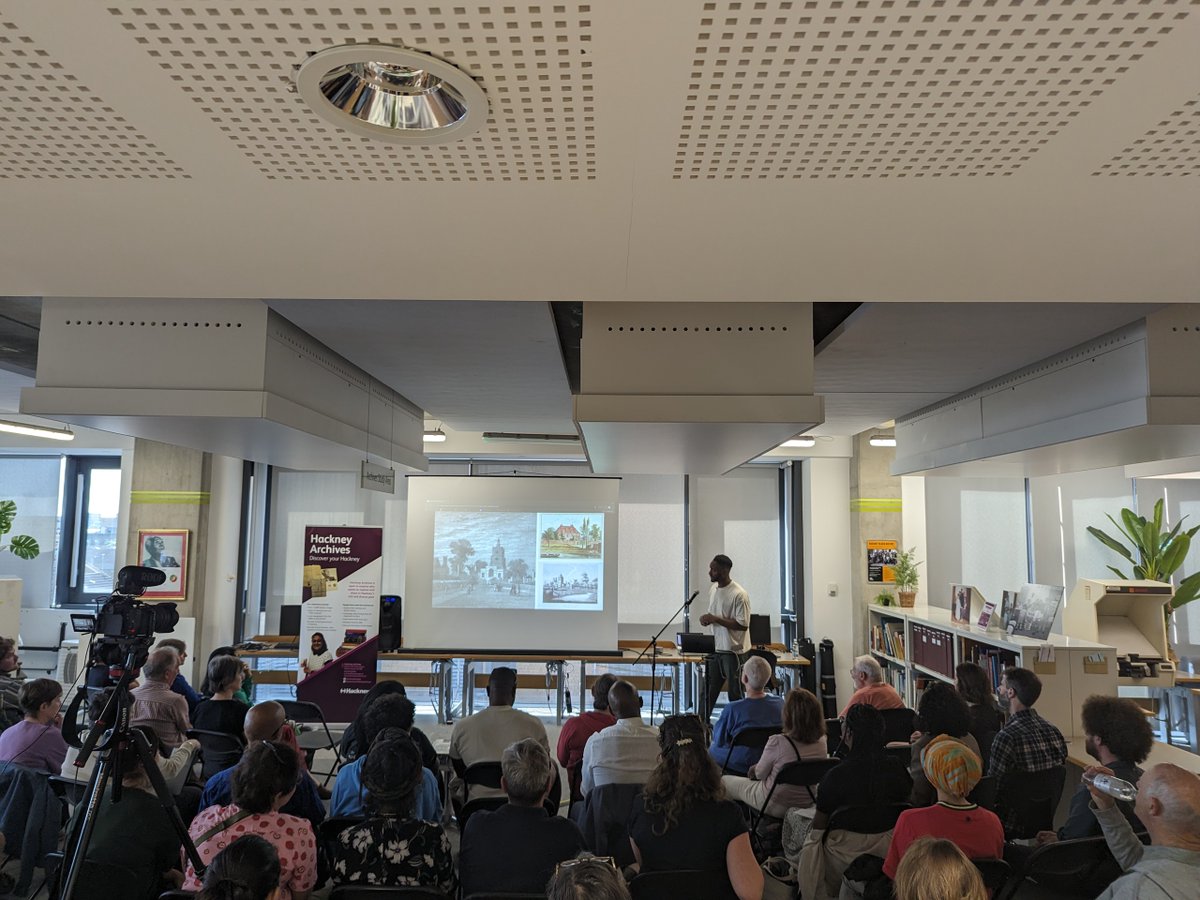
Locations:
(587, 878)
(869, 686)
(156, 705)
(757, 709)
(1168, 804)
(515, 848)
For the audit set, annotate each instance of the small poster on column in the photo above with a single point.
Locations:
(881, 557)
(339, 617)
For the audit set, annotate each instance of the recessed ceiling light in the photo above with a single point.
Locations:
(391, 93)
(54, 434)
(800, 442)
(883, 440)
(434, 436)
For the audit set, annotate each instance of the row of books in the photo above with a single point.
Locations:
(888, 638)
(993, 660)
(897, 678)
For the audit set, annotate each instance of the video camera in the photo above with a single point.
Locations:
(125, 625)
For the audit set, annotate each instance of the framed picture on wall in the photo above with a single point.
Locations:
(165, 549)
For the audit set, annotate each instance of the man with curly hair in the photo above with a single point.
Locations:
(11, 680)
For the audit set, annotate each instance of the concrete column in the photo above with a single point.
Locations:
(875, 503)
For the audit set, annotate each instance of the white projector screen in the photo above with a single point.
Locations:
(511, 563)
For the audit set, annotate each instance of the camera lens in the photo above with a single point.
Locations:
(166, 617)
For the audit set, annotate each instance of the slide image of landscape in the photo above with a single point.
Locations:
(571, 585)
(571, 535)
(484, 560)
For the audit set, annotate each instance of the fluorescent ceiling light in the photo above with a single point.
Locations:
(391, 93)
(883, 440)
(800, 442)
(54, 434)
(434, 436)
(537, 438)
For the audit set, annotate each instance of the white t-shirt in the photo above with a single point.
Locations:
(730, 602)
(318, 660)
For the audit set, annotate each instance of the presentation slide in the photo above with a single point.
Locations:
(511, 563)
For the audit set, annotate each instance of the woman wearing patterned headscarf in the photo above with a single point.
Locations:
(953, 769)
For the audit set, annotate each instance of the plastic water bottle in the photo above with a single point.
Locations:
(1113, 786)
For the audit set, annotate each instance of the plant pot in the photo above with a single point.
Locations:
(907, 598)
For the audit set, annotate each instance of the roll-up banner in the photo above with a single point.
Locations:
(339, 619)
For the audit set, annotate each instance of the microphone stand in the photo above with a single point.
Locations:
(652, 647)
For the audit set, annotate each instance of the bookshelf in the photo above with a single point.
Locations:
(918, 646)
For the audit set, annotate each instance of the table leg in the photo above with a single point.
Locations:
(560, 688)
(675, 672)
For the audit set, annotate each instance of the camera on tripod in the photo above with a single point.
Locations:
(125, 624)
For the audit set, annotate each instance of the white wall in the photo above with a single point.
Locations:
(827, 560)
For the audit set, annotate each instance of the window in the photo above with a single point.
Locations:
(87, 558)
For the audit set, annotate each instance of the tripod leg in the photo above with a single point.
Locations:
(83, 829)
(166, 800)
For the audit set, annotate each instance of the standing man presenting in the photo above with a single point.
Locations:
(729, 615)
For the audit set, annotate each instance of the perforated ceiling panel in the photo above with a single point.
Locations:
(53, 126)
(1172, 147)
(893, 88)
(236, 62)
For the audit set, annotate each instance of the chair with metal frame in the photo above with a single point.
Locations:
(803, 773)
(219, 750)
(1029, 799)
(898, 724)
(984, 793)
(1072, 870)
(754, 738)
(994, 872)
(306, 713)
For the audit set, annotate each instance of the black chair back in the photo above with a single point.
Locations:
(71, 790)
(898, 724)
(1026, 801)
(490, 896)
(868, 819)
(382, 891)
(605, 822)
(1069, 869)
(482, 774)
(772, 660)
(694, 884)
(803, 773)
(833, 736)
(473, 806)
(995, 873)
(985, 792)
(218, 751)
(755, 738)
(305, 712)
(902, 754)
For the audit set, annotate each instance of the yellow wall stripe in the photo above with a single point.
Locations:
(185, 498)
(876, 504)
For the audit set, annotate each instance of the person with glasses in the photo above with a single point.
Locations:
(587, 878)
(685, 820)
(263, 782)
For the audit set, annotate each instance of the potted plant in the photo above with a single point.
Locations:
(885, 598)
(906, 577)
(19, 545)
(1158, 556)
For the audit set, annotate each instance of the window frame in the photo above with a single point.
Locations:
(72, 543)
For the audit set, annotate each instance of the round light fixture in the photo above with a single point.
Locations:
(391, 93)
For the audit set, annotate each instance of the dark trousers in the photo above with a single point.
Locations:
(724, 665)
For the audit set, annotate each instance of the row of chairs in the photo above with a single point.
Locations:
(219, 750)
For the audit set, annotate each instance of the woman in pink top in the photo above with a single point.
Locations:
(263, 782)
(803, 737)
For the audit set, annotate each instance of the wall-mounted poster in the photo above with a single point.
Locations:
(881, 558)
(165, 549)
(1036, 607)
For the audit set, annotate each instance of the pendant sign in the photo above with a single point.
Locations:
(377, 478)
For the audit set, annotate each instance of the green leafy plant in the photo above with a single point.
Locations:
(885, 598)
(1155, 555)
(904, 572)
(19, 545)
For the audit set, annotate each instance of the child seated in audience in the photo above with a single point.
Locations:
(685, 821)
(936, 869)
(248, 869)
(36, 742)
(262, 783)
(953, 769)
(392, 847)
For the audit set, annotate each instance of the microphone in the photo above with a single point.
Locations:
(695, 594)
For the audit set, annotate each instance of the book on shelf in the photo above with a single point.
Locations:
(889, 639)
(994, 661)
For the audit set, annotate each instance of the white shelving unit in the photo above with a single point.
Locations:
(921, 643)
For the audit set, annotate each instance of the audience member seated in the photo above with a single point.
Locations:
(515, 848)
(941, 711)
(684, 821)
(221, 712)
(870, 688)
(576, 731)
(36, 742)
(756, 709)
(975, 686)
(803, 737)
(1168, 804)
(1027, 742)
(262, 783)
(266, 722)
(180, 685)
(248, 869)
(245, 692)
(625, 752)
(1118, 735)
(935, 869)
(587, 878)
(393, 847)
(137, 833)
(953, 769)
(352, 747)
(11, 680)
(155, 704)
(389, 713)
(483, 736)
(868, 776)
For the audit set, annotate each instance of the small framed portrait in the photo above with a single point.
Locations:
(165, 549)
